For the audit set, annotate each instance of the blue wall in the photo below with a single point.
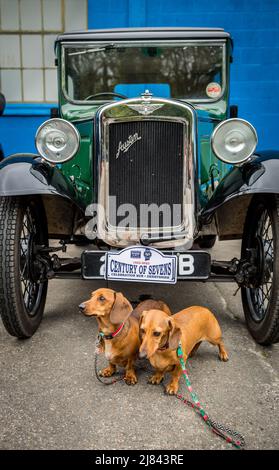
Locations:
(19, 124)
(254, 25)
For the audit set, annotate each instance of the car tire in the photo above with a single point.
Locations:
(261, 236)
(207, 241)
(22, 296)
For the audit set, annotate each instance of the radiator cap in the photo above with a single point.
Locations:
(146, 95)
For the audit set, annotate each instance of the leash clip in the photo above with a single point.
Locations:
(179, 351)
(98, 342)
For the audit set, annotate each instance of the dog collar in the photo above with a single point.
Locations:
(112, 335)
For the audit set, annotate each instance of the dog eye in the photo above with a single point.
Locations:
(142, 331)
(102, 298)
(156, 333)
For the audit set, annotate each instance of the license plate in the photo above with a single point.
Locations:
(141, 264)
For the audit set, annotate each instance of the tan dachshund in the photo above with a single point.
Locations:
(160, 336)
(119, 323)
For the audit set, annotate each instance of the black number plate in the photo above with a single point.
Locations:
(188, 265)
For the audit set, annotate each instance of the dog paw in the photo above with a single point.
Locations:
(155, 379)
(130, 378)
(171, 388)
(223, 356)
(107, 372)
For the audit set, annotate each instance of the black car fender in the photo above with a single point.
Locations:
(28, 174)
(258, 176)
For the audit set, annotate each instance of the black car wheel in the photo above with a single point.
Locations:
(22, 289)
(261, 242)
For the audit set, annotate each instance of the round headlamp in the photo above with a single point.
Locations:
(234, 140)
(57, 140)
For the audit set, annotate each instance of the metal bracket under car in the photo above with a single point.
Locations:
(245, 272)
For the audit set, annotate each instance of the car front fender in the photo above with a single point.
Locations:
(28, 174)
(259, 175)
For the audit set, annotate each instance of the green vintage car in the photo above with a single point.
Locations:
(146, 165)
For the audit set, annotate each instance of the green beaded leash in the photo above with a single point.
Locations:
(230, 436)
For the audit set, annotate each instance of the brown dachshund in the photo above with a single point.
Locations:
(119, 323)
(161, 334)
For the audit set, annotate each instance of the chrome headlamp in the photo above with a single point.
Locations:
(57, 140)
(234, 140)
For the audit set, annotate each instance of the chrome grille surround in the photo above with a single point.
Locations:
(167, 111)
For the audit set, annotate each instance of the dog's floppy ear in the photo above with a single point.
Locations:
(121, 309)
(174, 334)
(141, 318)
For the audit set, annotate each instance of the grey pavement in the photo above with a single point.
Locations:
(50, 398)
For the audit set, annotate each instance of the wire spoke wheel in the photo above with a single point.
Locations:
(23, 288)
(260, 242)
(259, 297)
(30, 287)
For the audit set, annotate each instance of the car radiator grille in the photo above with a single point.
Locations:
(150, 171)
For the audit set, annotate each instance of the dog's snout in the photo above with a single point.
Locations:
(82, 307)
(142, 354)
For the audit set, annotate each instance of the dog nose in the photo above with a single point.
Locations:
(81, 307)
(142, 354)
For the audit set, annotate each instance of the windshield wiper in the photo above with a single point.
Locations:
(96, 49)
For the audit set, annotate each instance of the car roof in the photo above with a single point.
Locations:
(122, 34)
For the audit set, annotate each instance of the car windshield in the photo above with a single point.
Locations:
(108, 71)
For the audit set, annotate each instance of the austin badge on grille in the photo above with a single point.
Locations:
(124, 146)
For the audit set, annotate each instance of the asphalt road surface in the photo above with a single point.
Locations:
(50, 398)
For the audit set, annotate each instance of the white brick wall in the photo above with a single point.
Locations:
(28, 29)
